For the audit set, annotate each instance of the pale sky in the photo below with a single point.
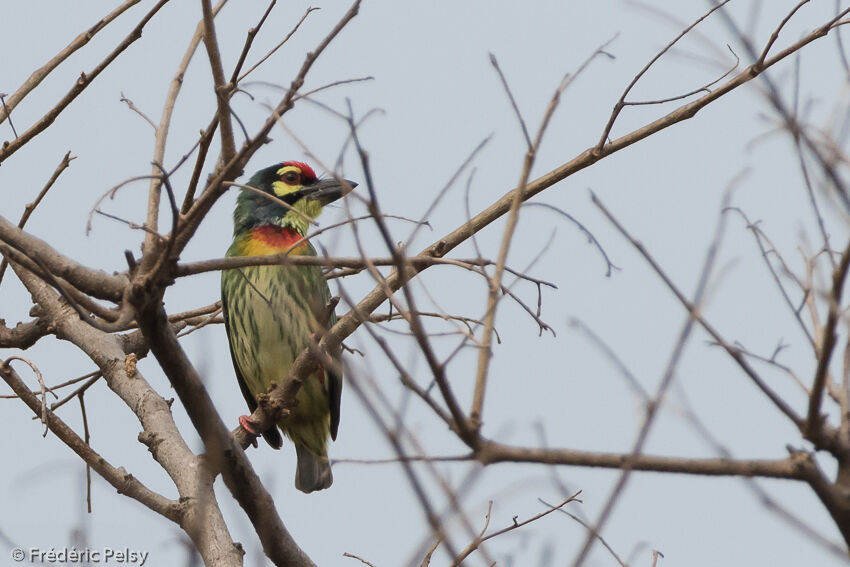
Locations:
(440, 98)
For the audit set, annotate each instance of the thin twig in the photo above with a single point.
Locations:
(273, 198)
(351, 555)
(249, 41)
(814, 422)
(706, 88)
(125, 483)
(44, 390)
(81, 83)
(30, 207)
(92, 378)
(70, 382)
(495, 63)
(621, 103)
(8, 114)
(87, 441)
(276, 47)
(775, 35)
(589, 528)
(692, 309)
(162, 130)
(609, 265)
(515, 525)
(42, 72)
(667, 379)
(485, 354)
(135, 109)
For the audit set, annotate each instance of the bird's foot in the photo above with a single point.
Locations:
(249, 426)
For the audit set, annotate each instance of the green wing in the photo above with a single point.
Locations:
(327, 319)
(334, 383)
(272, 434)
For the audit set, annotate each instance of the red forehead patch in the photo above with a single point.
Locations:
(306, 170)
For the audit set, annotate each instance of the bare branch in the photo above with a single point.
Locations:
(224, 455)
(249, 41)
(30, 208)
(775, 35)
(276, 47)
(622, 102)
(23, 335)
(120, 479)
(495, 63)
(6, 111)
(476, 543)
(230, 170)
(796, 467)
(705, 88)
(201, 518)
(363, 561)
(165, 124)
(692, 309)
(79, 86)
(135, 109)
(42, 72)
(43, 391)
(587, 527)
(222, 89)
(485, 354)
(94, 282)
(814, 422)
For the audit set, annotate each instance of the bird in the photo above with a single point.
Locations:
(272, 313)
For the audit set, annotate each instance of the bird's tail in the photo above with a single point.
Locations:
(313, 471)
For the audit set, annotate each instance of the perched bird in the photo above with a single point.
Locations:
(271, 313)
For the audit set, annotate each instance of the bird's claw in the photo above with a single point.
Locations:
(249, 426)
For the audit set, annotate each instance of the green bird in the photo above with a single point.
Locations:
(271, 313)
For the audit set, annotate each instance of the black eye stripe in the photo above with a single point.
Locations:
(291, 198)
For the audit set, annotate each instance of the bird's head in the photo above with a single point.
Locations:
(295, 183)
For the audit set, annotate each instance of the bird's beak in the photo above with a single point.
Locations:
(328, 190)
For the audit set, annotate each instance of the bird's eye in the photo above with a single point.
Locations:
(292, 178)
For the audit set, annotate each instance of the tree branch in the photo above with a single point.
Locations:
(124, 482)
(201, 518)
(796, 467)
(93, 282)
(80, 85)
(42, 72)
(223, 454)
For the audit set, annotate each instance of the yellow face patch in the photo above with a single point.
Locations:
(290, 180)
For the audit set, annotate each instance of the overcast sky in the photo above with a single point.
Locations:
(439, 98)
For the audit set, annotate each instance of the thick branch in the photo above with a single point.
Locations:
(284, 259)
(349, 323)
(222, 452)
(795, 467)
(201, 517)
(306, 362)
(23, 335)
(93, 282)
